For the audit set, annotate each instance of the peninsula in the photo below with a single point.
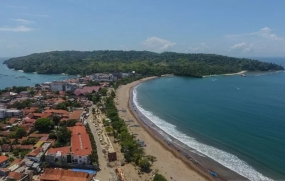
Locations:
(142, 62)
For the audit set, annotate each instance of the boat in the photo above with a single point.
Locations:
(242, 75)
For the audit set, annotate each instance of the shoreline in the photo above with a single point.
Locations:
(216, 75)
(188, 160)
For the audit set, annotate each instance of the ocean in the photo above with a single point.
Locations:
(9, 77)
(237, 121)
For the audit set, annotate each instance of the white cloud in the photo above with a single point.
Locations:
(242, 47)
(158, 44)
(262, 33)
(17, 29)
(23, 21)
(238, 46)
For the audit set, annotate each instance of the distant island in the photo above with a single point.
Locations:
(142, 62)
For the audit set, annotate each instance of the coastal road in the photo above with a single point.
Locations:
(105, 173)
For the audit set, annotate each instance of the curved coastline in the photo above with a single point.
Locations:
(187, 154)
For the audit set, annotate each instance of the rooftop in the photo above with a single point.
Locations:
(76, 114)
(3, 158)
(80, 142)
(64, 175)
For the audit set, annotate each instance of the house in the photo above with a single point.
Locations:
(37, 154)
(24, 93)
(28, 110)
(15, 176)
(52, 174)
(13, 120)
(4, 161)
(80, 145)
(61, 154)
(76, 114)
(5, 147)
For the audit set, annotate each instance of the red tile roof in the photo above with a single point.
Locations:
(63, 175)
(23, 147)
(35, 152)
(15, 175)
(87, 89)
(63, 150)
(13, 120)
(76, 114)
(35, 135)
(29, 110)
(3, 158)
(54, 111)
(80, 142)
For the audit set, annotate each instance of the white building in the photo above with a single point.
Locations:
(103, 77)
(8, 113)
(63, 86)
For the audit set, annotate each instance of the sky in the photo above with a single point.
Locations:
(241, 28)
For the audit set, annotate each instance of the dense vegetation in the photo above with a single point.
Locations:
(132, 150)
(143, 62)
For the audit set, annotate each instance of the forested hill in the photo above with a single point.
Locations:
(143, 62)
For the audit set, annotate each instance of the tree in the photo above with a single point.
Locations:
(103, 91)
(63, 135)
(20, 132)
(144, 165)
(159, 177)
(44, 125)
(56, 119)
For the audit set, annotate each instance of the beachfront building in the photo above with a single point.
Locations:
(80, 145)
(8, 113)
(78, 153)
(100, 77)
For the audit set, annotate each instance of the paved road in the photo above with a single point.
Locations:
(105, 173)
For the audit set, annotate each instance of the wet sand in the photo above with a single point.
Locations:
(173, 158)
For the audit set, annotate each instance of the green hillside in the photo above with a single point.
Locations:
(143, 62)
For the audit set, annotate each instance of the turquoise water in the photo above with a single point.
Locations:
(9, 77)
(237, 121)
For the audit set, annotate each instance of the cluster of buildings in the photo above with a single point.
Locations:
(39, 148)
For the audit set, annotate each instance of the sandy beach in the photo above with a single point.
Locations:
(238, 73)
(172, 161)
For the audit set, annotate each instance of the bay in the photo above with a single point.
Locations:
(244, 117)
(10, 77)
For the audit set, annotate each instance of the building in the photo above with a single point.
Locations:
(8, 113)
(76, 114)
(63, 86)
(4, 161)
(120, 75)
(37, 154)
(87, 90)
(80, 145)
(51, 174)
(103, 77)
(59, 155)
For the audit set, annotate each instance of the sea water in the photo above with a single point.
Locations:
(237, 121)
(10, 77)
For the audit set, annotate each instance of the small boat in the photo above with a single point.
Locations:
(242, 75)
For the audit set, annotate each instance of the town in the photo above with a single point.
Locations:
(60, 130)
